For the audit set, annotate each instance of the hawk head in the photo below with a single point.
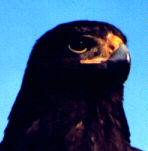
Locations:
(85, 49)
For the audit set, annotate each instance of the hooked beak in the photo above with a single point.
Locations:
(122, 54)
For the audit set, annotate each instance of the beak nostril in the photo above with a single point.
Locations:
(112, 47)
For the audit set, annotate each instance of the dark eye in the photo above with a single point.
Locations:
(80, 45)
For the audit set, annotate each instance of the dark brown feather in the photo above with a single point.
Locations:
(65, 106)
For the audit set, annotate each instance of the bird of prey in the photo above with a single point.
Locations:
(71, 98)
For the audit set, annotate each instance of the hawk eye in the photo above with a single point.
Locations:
(80, 45)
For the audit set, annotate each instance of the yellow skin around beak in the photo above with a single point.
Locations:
(108, 46)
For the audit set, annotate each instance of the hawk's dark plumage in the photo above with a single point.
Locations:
(72, 92)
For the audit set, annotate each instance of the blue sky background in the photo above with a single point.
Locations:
(23, 22)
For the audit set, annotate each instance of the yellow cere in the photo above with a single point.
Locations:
(114, 41)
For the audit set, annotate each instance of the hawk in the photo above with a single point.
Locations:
(71, 98)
